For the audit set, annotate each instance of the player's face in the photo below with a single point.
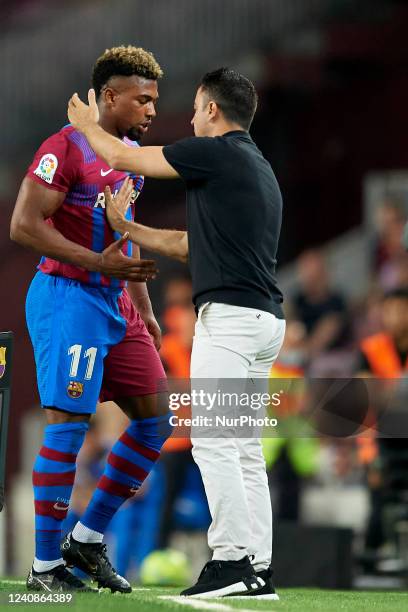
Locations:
(132, 103)
(200, 120)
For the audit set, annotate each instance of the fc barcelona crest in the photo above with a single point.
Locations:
(2, 360)
(75, 389)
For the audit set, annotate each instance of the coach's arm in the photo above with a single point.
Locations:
(171, 243)
(148, 161)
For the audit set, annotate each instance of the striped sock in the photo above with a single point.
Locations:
(128, 464)
(53, 479)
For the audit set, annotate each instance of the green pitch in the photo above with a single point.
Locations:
(165, 600)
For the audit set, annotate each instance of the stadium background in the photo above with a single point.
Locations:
(333, 84)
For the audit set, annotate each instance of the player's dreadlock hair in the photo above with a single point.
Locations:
(124, 61)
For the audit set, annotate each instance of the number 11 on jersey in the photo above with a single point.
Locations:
(90, 354)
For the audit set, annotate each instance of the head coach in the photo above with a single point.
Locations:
(234, 213)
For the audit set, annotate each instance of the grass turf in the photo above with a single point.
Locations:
(150, 600)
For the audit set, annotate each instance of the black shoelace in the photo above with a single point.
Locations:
(102, 551)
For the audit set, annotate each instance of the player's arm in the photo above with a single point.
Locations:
(141, 299)
(148, 161)
(36, 203)
(171, 243)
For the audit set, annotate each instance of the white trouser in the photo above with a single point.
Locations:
(232, 342)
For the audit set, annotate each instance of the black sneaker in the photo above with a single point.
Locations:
(268, 590)
(58, 579)
(93, 560)
(225, 578)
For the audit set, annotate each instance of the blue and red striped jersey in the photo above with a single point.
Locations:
(65, 162)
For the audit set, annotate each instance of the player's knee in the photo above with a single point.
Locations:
(55, 416)
(65, 437)
(144, 406)
(152, 432)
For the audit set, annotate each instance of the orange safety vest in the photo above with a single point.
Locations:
(292, 399)
(176, 356)
(281, 370)
(177, 359)
(382, 356)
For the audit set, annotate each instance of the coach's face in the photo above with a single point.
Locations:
(203, 114)
(131, 101)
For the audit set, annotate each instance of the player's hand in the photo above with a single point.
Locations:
(153, 328)
(114, 263)
(116, 207)
(80, 114)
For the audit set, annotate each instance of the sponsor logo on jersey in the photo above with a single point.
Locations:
(75, 389)
(100, 200)
(47, 167)
(105, 172)
(3, 362)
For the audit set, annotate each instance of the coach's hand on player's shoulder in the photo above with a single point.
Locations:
(112, 262)
(80, 114)
(116, 207)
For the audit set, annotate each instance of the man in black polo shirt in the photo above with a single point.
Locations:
(234, 210)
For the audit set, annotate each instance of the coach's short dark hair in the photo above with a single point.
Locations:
(124, 61)
(234, 94)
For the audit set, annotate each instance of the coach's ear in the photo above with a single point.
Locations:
(213, 110)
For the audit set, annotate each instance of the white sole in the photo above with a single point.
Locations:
(270, 596)
(231, 589)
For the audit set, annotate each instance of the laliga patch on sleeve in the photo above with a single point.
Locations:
(47, 167)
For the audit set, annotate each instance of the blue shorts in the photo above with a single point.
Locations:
(89, 343)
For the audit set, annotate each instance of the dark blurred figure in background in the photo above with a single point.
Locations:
(322, 310)
(385, 356)
(390, 261)
(285, 472)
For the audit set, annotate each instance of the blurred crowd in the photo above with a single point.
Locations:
(328, 338)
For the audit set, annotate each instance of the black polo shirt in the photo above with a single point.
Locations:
(234, 214)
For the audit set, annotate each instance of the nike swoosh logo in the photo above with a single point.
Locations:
(103, 173)
(58, 507)
(47, 588)
(87, 566)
